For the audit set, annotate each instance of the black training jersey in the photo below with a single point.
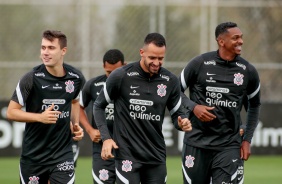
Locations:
(215, 82)
(139, 109)
(37, 90)
(89, 94)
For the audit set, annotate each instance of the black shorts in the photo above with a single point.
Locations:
(103, 171)
(134, 173)
(60, 173)
(204, 166)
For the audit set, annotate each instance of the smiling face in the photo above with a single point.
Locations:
(230, 43)
(51, 53)
(152, 58)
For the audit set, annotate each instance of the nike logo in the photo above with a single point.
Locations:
(239, 178)
(97, 93)
(70, 175)
(45, 86)
(134, 87)
(234, 160)
(210, 73)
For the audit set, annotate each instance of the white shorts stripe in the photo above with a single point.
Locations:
(96, 178)
(22, 180)
(72, 180)
(186, 175)
(122, 178)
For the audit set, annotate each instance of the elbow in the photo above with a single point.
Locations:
(9, 115)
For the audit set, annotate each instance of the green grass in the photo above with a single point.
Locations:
(258, 170)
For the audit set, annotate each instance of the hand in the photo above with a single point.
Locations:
(95, 135)
(203, 114)
(241, 131)
(77, 131)
(184, 124)
(245, 150)
(107, 149)
(49, 116)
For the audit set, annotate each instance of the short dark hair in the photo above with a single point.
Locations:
(52, 34)
(223, 28)
(113, 56)
(155, 38)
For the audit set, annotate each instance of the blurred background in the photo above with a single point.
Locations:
(94, 26)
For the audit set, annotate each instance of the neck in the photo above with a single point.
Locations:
(226, 56)
(57, 71)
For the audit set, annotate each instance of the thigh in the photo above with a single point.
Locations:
(196, 164)
(62, 173)
(127, 172)
(34, 174)
(153, 174)
(103, 171)
(227, 167)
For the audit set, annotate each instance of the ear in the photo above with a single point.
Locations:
(141, 51)
(64, 51)
(220, 42)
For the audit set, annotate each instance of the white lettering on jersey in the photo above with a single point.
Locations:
(241, 65)
(39, 74)
(213, 98)
(212, 62)
(217, 89)
(132, 74)
(99, 83)
(74, 74)
(164, 77)
(139, 112)
(109, 111)
(48, 102)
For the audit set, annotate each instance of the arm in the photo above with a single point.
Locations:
(75, 127)
(100, 119)
(109, 92)
(94, 134)
(15, 113)
(187, 78)
(179, 114)
(253, 92)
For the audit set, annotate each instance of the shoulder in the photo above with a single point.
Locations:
(167, 75)
(38, 68)
(28, 77)
(71, 69)
(205, 58)
(97, 81)
(243, 63)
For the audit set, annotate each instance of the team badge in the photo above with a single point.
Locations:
(69, 86)
(33, 180)
(189, 162)
(104, 174)
(126, 165)
(238, 79)
(161, 90)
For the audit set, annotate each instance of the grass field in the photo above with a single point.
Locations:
(258, 170)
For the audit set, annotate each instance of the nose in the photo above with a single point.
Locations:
(241, 41)
(45, 51)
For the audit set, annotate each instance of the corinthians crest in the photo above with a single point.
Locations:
(161, 90)
(189, 162)
(104, 174)
(69, 86)
(126, 165)
(33, 180)
(238, 79)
